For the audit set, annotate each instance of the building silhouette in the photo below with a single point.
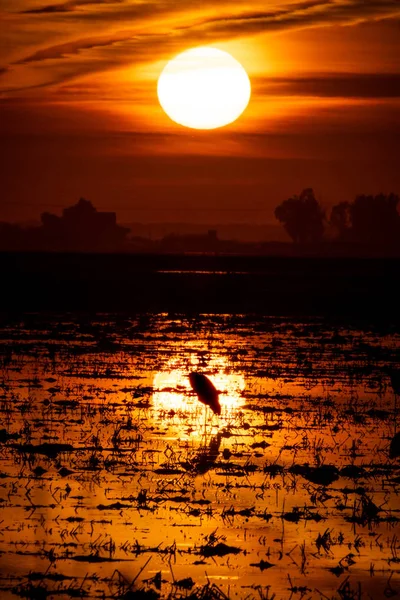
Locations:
(81, 228)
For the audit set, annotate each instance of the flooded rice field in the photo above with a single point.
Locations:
(116, 482)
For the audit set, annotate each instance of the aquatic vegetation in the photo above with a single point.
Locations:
(113, 484)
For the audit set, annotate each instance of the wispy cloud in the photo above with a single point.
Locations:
(66, 6)
(303, 14)
(74, 47)
(149, 38)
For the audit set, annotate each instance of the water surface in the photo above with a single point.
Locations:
(114, 479)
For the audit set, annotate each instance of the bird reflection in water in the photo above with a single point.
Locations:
(205, 458)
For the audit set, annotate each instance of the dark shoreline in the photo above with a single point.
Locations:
(359, 287)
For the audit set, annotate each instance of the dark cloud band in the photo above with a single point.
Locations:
(333, 85)
(65, 7)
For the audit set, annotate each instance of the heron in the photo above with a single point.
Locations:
(206, 391)
(207, 394)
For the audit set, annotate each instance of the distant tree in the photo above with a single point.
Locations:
(375, 219)
(372, 220)
(302, 217)
(341, 220)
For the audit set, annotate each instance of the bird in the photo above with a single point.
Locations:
(206, 391)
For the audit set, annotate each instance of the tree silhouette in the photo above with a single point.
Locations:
(302, 217)
(375, 219)
(341, 220)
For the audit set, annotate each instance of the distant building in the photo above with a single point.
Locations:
(82, 228)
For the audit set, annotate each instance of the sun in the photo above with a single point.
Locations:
(204, 88)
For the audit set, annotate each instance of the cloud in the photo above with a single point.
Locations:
(74, 47)
(333, 85)
(65, 6)
(150, 38)
(304, 14)
(113, 11)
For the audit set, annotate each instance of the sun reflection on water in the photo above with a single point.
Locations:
(172, 389)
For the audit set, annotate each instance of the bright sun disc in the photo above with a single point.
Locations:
(204, 88)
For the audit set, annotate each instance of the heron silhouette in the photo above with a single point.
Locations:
(206, 391)
(207, 394)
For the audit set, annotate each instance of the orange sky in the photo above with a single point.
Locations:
(79, 113)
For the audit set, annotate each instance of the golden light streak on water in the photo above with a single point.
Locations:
(172, 390)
